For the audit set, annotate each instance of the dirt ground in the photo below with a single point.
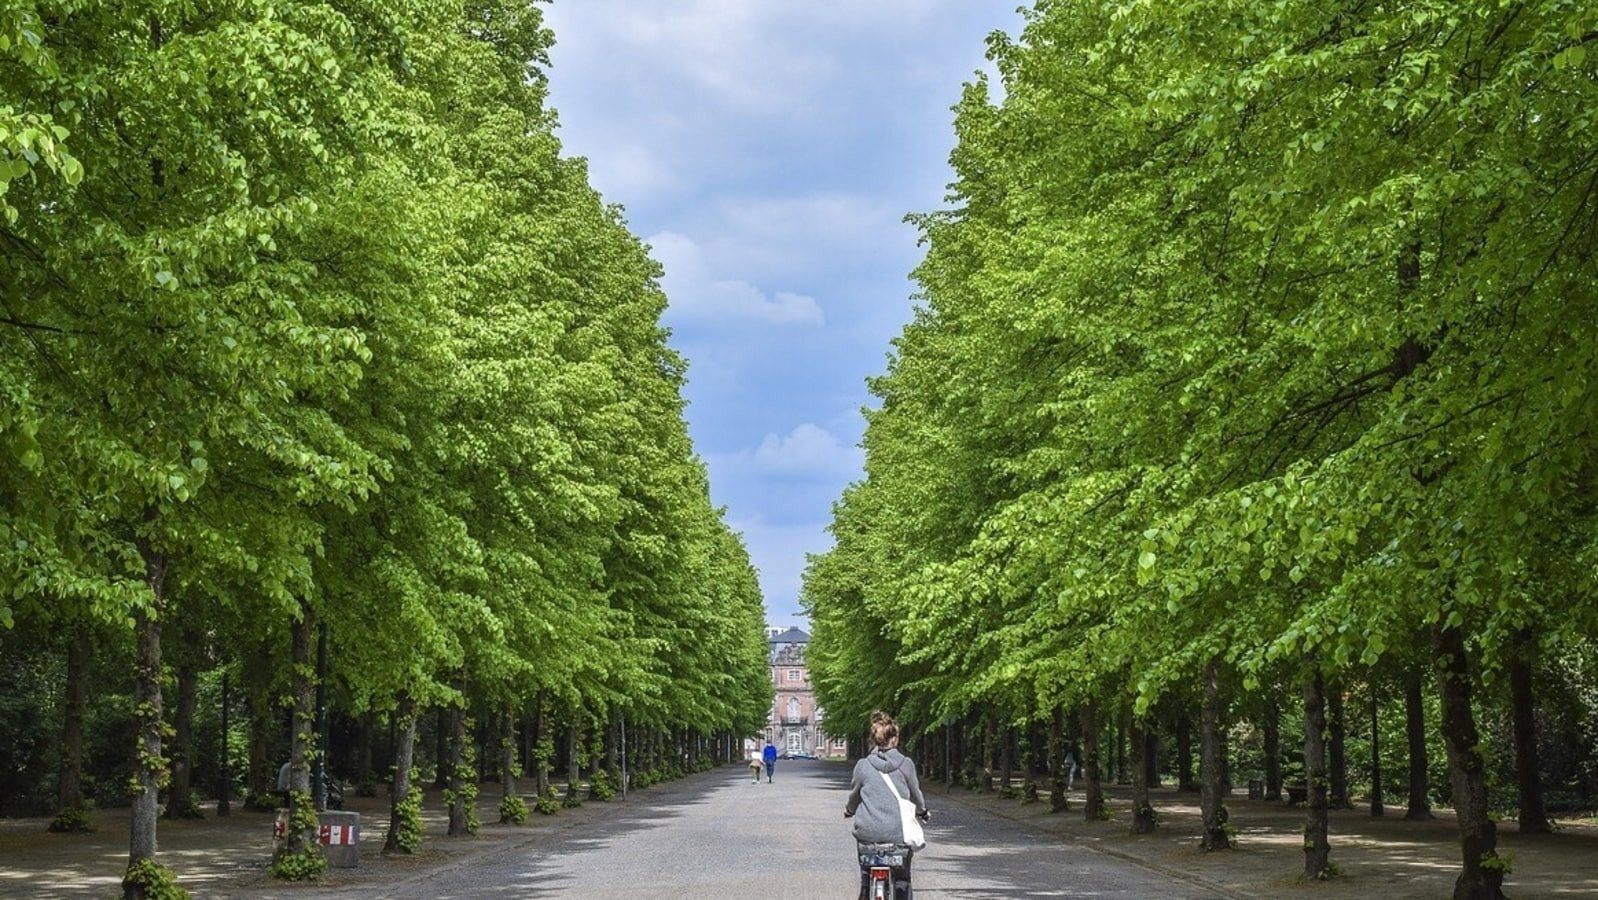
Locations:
(1387, 857)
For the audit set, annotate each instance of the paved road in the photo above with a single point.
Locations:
(786, 839)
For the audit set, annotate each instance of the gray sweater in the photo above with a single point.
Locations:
(875, 810)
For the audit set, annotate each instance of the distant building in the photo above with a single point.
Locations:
(795, 724)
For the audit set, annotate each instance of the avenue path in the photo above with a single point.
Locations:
(714, 834)
(731, 838)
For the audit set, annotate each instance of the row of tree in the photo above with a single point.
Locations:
(1256, 350)
(308, 329)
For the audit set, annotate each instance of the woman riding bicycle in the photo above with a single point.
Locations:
(874, 802)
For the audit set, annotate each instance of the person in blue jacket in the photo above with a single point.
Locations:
(769, 755)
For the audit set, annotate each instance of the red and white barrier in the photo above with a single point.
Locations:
(327, 835)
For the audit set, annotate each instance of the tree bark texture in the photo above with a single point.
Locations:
(1122, 726)
(441, 732)
(1006, 760)
(1273, 746)
(1151, 753)
(507, 754)
(1533, 818)
(1211, 801)
(1026, 748)
(540, 732)
(1092, 776)
(613, 748)
(1317, 848)
(989, 747)
(404, 760)
(148, 763)
(1058, 771)
(1337, 747)
(1184, 753)
(1482, 875)
(574, 747)
(1377, 810)
(1143, 818)
(302, 736)
(366, 774)
(80, 649)
(454, 749)
(261, 779)
(178, 805)
(149, 766)
(1420, 804)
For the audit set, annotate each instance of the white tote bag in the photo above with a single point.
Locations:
(913, 836)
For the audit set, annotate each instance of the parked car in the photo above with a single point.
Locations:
(797, 754)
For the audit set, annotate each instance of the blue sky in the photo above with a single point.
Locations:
(768, 151)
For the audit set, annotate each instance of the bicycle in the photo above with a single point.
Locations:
(888, 866)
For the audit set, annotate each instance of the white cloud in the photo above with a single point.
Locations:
(807, 450)
(694, 291)
(772, 149)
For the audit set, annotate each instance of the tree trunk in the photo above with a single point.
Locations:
(302, 736)
(441, 734)
(224, 780)
(1057, 764)
(1533, 815)
(1184, 753)
(1143, 819)
(1093, 786)
(574, 772)
(507, 756)
(404, 759)
(972, 740)
(1337, 747)
(69, 793)
(1007, 762)
(366, 772)
(987, 754)
(1151, 754)
(454, 748)
(179, 805)
(951, 752)
(1123, 725)
(1420, 805)
(1377, 809)
(261, 779)
(148, 763)
(1026, 747)
(1482, 876)
(1317, 848)
(1273, 746)
(541, 743)
(1211, 803)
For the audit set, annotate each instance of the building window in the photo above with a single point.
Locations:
(795, 741)
(793, 675)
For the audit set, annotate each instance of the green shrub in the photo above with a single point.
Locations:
(513, 811)
(74, 819)
(154, 881)
(601, 786)
(548, 804)
(406, 836)
(306, 862)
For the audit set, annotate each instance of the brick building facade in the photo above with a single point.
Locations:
(796, 723)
